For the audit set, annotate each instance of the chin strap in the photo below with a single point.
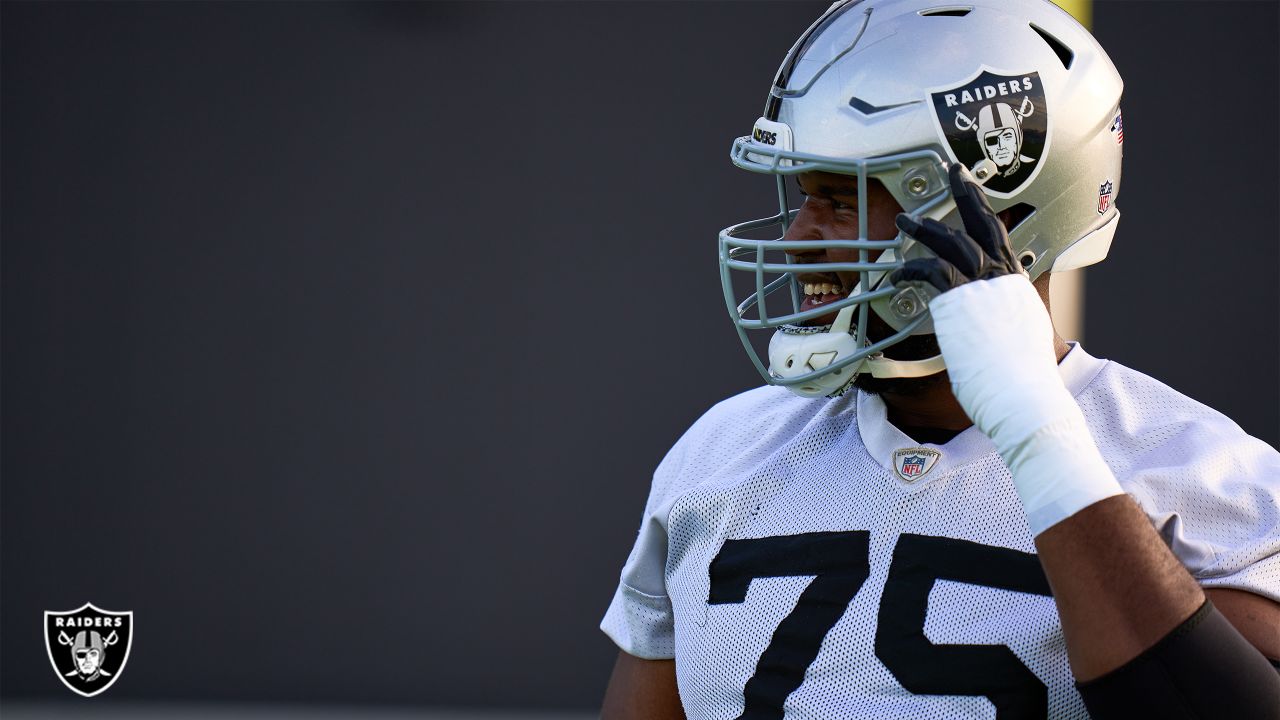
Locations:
(882, 367)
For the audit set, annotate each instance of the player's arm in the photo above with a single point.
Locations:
(1256, 617)
(1139, 633)
(1120, 590)
(642, 690)
(1142, 640)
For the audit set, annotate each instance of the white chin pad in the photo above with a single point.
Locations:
(797, 351)
(794, 352)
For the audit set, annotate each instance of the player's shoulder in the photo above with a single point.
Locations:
(767, 403)
(769, 413)
(741, 431)
(1138, 420)
(1121, 400)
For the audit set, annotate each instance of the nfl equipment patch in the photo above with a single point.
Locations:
(911, 464)
(1104, 197)
(1002, 118)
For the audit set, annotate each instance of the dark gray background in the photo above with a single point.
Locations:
(339, 341)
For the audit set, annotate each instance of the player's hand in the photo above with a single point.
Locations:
(979, 252)
(997, 339)
(992, 327)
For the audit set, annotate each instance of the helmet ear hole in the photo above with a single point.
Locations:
(1015, 215)
(1027, 259)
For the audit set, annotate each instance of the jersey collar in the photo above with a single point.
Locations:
(882, 440)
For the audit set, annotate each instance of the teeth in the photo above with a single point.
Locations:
(823, 289)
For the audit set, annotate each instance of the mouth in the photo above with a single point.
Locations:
(819, 294)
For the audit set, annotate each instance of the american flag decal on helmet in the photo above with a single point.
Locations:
(1117, 128)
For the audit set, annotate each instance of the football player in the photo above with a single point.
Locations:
(938, 508)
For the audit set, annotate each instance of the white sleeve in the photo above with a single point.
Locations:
(1213, 492)
(640, 619)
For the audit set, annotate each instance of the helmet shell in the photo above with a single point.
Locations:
(868, 80)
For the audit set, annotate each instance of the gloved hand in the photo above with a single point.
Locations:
(997, 340)
(979, 252)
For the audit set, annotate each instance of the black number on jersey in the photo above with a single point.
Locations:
(925, 668)
(839, 562)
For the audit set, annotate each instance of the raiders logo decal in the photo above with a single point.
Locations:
(912, 464)
(88, 646)
(1002, 118)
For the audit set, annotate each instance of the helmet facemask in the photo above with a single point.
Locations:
(824, 360)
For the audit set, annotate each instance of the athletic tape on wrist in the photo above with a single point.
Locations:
(998, 343)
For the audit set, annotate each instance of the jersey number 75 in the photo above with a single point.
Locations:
(839, 563)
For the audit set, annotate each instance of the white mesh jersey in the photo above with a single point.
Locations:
(790, 569)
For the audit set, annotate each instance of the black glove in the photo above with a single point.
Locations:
(979, 252)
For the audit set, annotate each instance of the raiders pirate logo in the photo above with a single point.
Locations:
(1002, 118)
(88, 647)
(912, 464)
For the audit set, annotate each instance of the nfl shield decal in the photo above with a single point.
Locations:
(912, 464)
(88, 646)
(1104, 196)
(998, 117)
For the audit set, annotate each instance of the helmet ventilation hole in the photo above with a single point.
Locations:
(952, 11)
(1062, 51)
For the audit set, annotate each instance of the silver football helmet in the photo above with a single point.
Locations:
(895, 90)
